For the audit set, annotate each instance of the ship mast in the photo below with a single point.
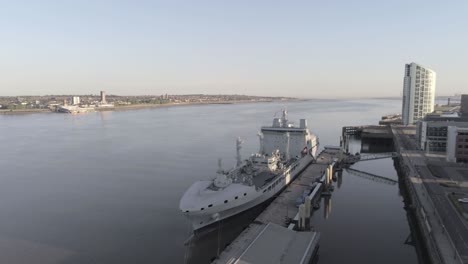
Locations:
(260, 137)
(238, 148)
(220, 166)
(284, 119)
(287, 146)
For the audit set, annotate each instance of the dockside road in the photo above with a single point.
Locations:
(279, 214)
(444, 230)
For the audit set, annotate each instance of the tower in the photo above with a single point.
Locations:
(418, 93)
(103, 97)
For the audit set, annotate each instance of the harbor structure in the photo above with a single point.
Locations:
(103, 104)
(418, 93)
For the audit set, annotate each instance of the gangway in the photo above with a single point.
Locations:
(375, 156)
(371, 176)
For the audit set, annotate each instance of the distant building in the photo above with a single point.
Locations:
(457, 144)
(103, 97)
(418, 93)
(75, 100)
(464, 105)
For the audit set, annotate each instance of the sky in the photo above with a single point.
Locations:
(306, 49)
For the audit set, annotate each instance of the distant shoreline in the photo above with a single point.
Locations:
(24, 111)
(143, 106)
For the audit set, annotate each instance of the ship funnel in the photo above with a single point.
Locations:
(238, 148)
(303, 123)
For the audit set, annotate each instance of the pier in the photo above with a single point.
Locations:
(285, 220)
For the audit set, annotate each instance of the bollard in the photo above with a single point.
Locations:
(301, 217)
(307, 205)
(326, 176)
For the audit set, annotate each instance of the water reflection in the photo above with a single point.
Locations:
(339, 179)
(327, 205)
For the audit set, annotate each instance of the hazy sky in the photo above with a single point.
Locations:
(280, 48)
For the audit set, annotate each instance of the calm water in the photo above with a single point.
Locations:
(105, 187)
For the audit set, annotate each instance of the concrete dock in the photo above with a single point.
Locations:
(279, 214)
(444, 230)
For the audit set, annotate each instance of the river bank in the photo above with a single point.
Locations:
(144, 106)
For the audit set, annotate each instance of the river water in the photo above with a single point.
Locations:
(104, 187)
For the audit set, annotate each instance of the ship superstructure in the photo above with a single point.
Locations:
(285, 150)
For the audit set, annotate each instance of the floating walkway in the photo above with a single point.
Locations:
(375, 156)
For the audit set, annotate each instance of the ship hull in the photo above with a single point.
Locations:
(204, 220)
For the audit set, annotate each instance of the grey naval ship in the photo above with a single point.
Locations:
(285, 150)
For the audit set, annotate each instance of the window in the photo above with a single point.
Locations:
(210, 205)
(245, 194)
(202, 208)
(236, 197)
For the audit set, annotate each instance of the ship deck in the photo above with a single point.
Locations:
(263, 178)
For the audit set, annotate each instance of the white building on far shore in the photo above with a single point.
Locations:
(75, 100)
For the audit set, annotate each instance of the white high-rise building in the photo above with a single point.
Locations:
(75, 100)
(418, 93)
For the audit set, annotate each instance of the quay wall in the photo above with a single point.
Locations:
(404, 169)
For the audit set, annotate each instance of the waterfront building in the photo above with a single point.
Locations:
(432, 131)
(457, 144)
(418, 93)
(464, 105)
